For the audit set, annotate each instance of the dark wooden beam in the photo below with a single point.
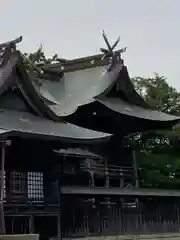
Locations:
(3, 145)
(59, 231)
(2, 222)
(120, 191)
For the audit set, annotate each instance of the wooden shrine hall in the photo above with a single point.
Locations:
(65, 170)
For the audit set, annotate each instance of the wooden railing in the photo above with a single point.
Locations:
(111, 170)
(124, 175)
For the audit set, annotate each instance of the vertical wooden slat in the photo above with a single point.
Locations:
(135, 169)
(2, 182)
(116, 219)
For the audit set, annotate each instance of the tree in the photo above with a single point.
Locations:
(158, 152)
(158, 170)
(39, 58)
(158, 94)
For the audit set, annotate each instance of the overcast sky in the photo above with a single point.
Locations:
(72, 28)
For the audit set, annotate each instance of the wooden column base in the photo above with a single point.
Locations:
(2, 222)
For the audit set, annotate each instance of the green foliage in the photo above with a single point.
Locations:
(158, 94)
(159, 170)
(39, 57)
(158, 153)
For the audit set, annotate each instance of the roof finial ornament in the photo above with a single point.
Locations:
(6, 49)
(11, 43)
(110, 51)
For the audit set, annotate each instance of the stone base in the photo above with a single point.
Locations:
(170, 236)
(20, 237)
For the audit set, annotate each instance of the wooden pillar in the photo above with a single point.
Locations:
(31, 224)
(2, 184)
(135, 169)
(59, 226)
(92, 178)
(121, 179)
(59, 230)
(106, 173)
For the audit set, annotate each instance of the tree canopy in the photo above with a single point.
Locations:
(158, 93)
(39, 57)
(158, 156)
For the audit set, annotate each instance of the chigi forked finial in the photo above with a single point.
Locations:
(109, 52)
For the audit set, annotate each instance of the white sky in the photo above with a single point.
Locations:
(72, 28)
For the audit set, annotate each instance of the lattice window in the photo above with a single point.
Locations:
(35, 187)
(18, 182)
(2, 52)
